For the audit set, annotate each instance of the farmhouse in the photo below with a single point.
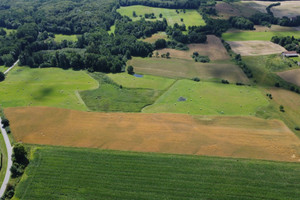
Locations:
(290, 54)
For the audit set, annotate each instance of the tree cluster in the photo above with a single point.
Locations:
(289, 43)
(241, 23)
(175, 4)
(192, 36)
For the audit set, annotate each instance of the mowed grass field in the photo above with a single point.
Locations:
(3, 151)
(60, 37)
(253, 35)
(190, 18)
(45, 87)
(111, 97)
(73, 173)
(147, 81)
(180, 68)
(226, 136)
(213, 48)
(207, 98)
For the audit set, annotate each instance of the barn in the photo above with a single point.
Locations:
(290, 54)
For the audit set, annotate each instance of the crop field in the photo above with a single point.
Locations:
(98, 174)
(3, 151)
(60, 37)
(180, 68)
(255, 48)
(207, 98)
(291, 76)
(190, 18)
(156, 36)
(253, 35)
(110, 96)
(147, 81)
(213, 48)
(45, 87)
(286, 8)
(226, 10)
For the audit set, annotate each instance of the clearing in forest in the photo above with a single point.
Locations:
(164, 133)
(291, 76)
(255, 48)
(53, 87)
(208, 98)
(92, 173)
(180, 68)
(156, 36)
(60, 37)
(213, 48)
(190, 17)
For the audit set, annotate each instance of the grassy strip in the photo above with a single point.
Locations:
(60, 37)
(113, 97)
(74, 173)
(252, 35)
(3, 150)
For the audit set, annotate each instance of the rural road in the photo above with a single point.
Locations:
(11, 67)
(9, 161)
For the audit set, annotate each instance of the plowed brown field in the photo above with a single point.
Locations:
(243, 137)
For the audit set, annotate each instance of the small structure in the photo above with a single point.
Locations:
(181, 99)
(298, 63)
(289, 54)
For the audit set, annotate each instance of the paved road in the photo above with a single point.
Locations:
(9, 162)
(11, 67)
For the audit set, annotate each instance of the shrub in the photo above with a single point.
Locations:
(297, 128)
(225, 81)
(2, 76)
(281, 108)
(196, 79)
(130, 70)
(5, 122)
(7, 129)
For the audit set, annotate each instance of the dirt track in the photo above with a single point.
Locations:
(243, 137)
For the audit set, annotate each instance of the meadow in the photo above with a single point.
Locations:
(3, 151)
(225, 136)
(98, 174)
(60, 37)
(110, 96)
(3, 68)
(253, 35)
(156, 36)
(147, 81)
(45, 87)
(180, 68)
(190, 18)
(207, 98)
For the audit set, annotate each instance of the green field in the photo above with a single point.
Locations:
(147, 81)
(296, 58)
(75, 173)
(251, 35)
(111, 97)
(45, 87)
(112, 29)
(4, 161)
(207, 98)
(190, 18)
(3, 68)
(60, 37)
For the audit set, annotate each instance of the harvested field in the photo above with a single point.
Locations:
(255, 48)
(213, 48)
(226, 10)
(240, 137)
(291, 76)
(259, 6)
(180, 68)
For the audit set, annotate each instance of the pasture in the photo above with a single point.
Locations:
(208, 98)
(60, 37)
(190, 18)
(180, 68)
(255, 48)
(162, 133)
(156, 36)
(226, 10)
(3, 68)
(75, 173)
(111, 97)
(45, 87)
(3, 151)
(291, 76)
(147, 81)
(213, 48)
(254, 35)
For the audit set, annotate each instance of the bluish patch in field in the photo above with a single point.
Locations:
(138, 75)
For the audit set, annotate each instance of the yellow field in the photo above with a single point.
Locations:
(241, 137)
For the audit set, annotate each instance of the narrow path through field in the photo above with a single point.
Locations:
(11, 67)
(9, 160)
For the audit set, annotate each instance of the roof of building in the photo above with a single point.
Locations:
(289, 52)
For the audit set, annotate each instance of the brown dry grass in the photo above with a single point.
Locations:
(245, 137)
(213, 48)
(254, 48)
(226, 10)
(292, 76)
(156, 36)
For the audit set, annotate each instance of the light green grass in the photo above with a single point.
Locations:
(60, 37)
(147, 81)
(295, 58)
(8, 31)
(190, 18)
(76, 173)
(251, 35)
(111, 97)
(3, 150)
(112, 29)
(207, 98)
(44, 87)
(3, 68)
